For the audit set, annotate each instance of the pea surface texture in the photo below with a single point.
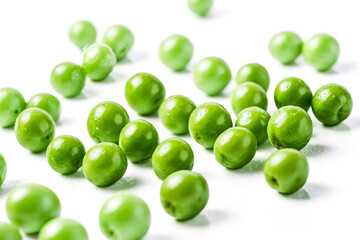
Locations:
(285, 47)
(61, 229)
(253, 72)
(46, 102)
(12, 103)
(120, 39)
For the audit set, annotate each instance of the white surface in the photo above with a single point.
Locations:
(33, 39)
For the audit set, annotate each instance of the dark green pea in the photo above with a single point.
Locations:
(46, 102)
(253, 72)
(9, 232)
(12, 103)
(3, 169)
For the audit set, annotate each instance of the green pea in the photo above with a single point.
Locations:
(321, 51)
(200, 7)
(248, 94)
(211, 75)
(65, 154)
(172, 155)
(3, 169)
(285, 47)
(332, 104)
(139, 139)
(293, 91)
(68, 79)
(105, 122)
(124, 216)
(30, 206)
(34, 129)
(253, 72)
(82, 34)
(174, 113)
(207, 122)
(176, 52)
(104, 164)
(290, 127)
(9, 232)
(256, 120)
(61, 229)
(46, 102)
(98, 61)
(144, 93)
(286, 170)
(120, 39)
(12, 103)
(184, 194)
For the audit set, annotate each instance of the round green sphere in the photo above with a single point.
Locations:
(290, 127)
(46, 102)
(253, 72)
(174, 113)
(120, 39)
(286, 170)
(200, 7)
(105, 122)
(12, 103)
(332, 104)
(285, 47)
(3, 169)
(82, 34)
(61, 229)
(9, 232)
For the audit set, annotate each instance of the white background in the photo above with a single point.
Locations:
(34, 38)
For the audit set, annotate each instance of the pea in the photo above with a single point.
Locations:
(207, 122)
(256, 120)
(253, 72)
(200, 7)
(105, 122)
(286, 170)
(211, 75)
(98, 61)
(248, 94)
(9, 232)
(30, 206)
(120, 39)
(184, 194)
(124, 216)
(65, 154)
(321, 51)
(285, 47)
(332, 104)
(293, 91)
(176, 52)
(68, 79)
(61, 229)
(144, 93)
(12, 103)
(82, 34)
(172, 155)
(139, 139)
(104, 164)
(3, 169)
(46, 102)
(34, 129)
(290, 127)
(174, 113)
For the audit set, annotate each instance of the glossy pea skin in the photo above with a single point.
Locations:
(34, 129)
(61, 229)
(144, 93)
(290, 127)
(82, 34)
(246, 95)
(9, 232)
(176, 52)
(12, 103)
(286, 170)
(120, 39)
(200, 7)
(104, 164)
(172, 155)
(98, 61)
(321, 51)
(285, 47)
(3, 169)
(211, 75)
(293, 91)
(46, 102)
(256, 120)
(30, 206)
(332, 104)
(207, 122)
(174, 113)
(105, 122)
(139, 139)
(124, 216)
(65, 154)
(184, 194)
(253, 72)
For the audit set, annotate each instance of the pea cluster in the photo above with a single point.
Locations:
(34, 208)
